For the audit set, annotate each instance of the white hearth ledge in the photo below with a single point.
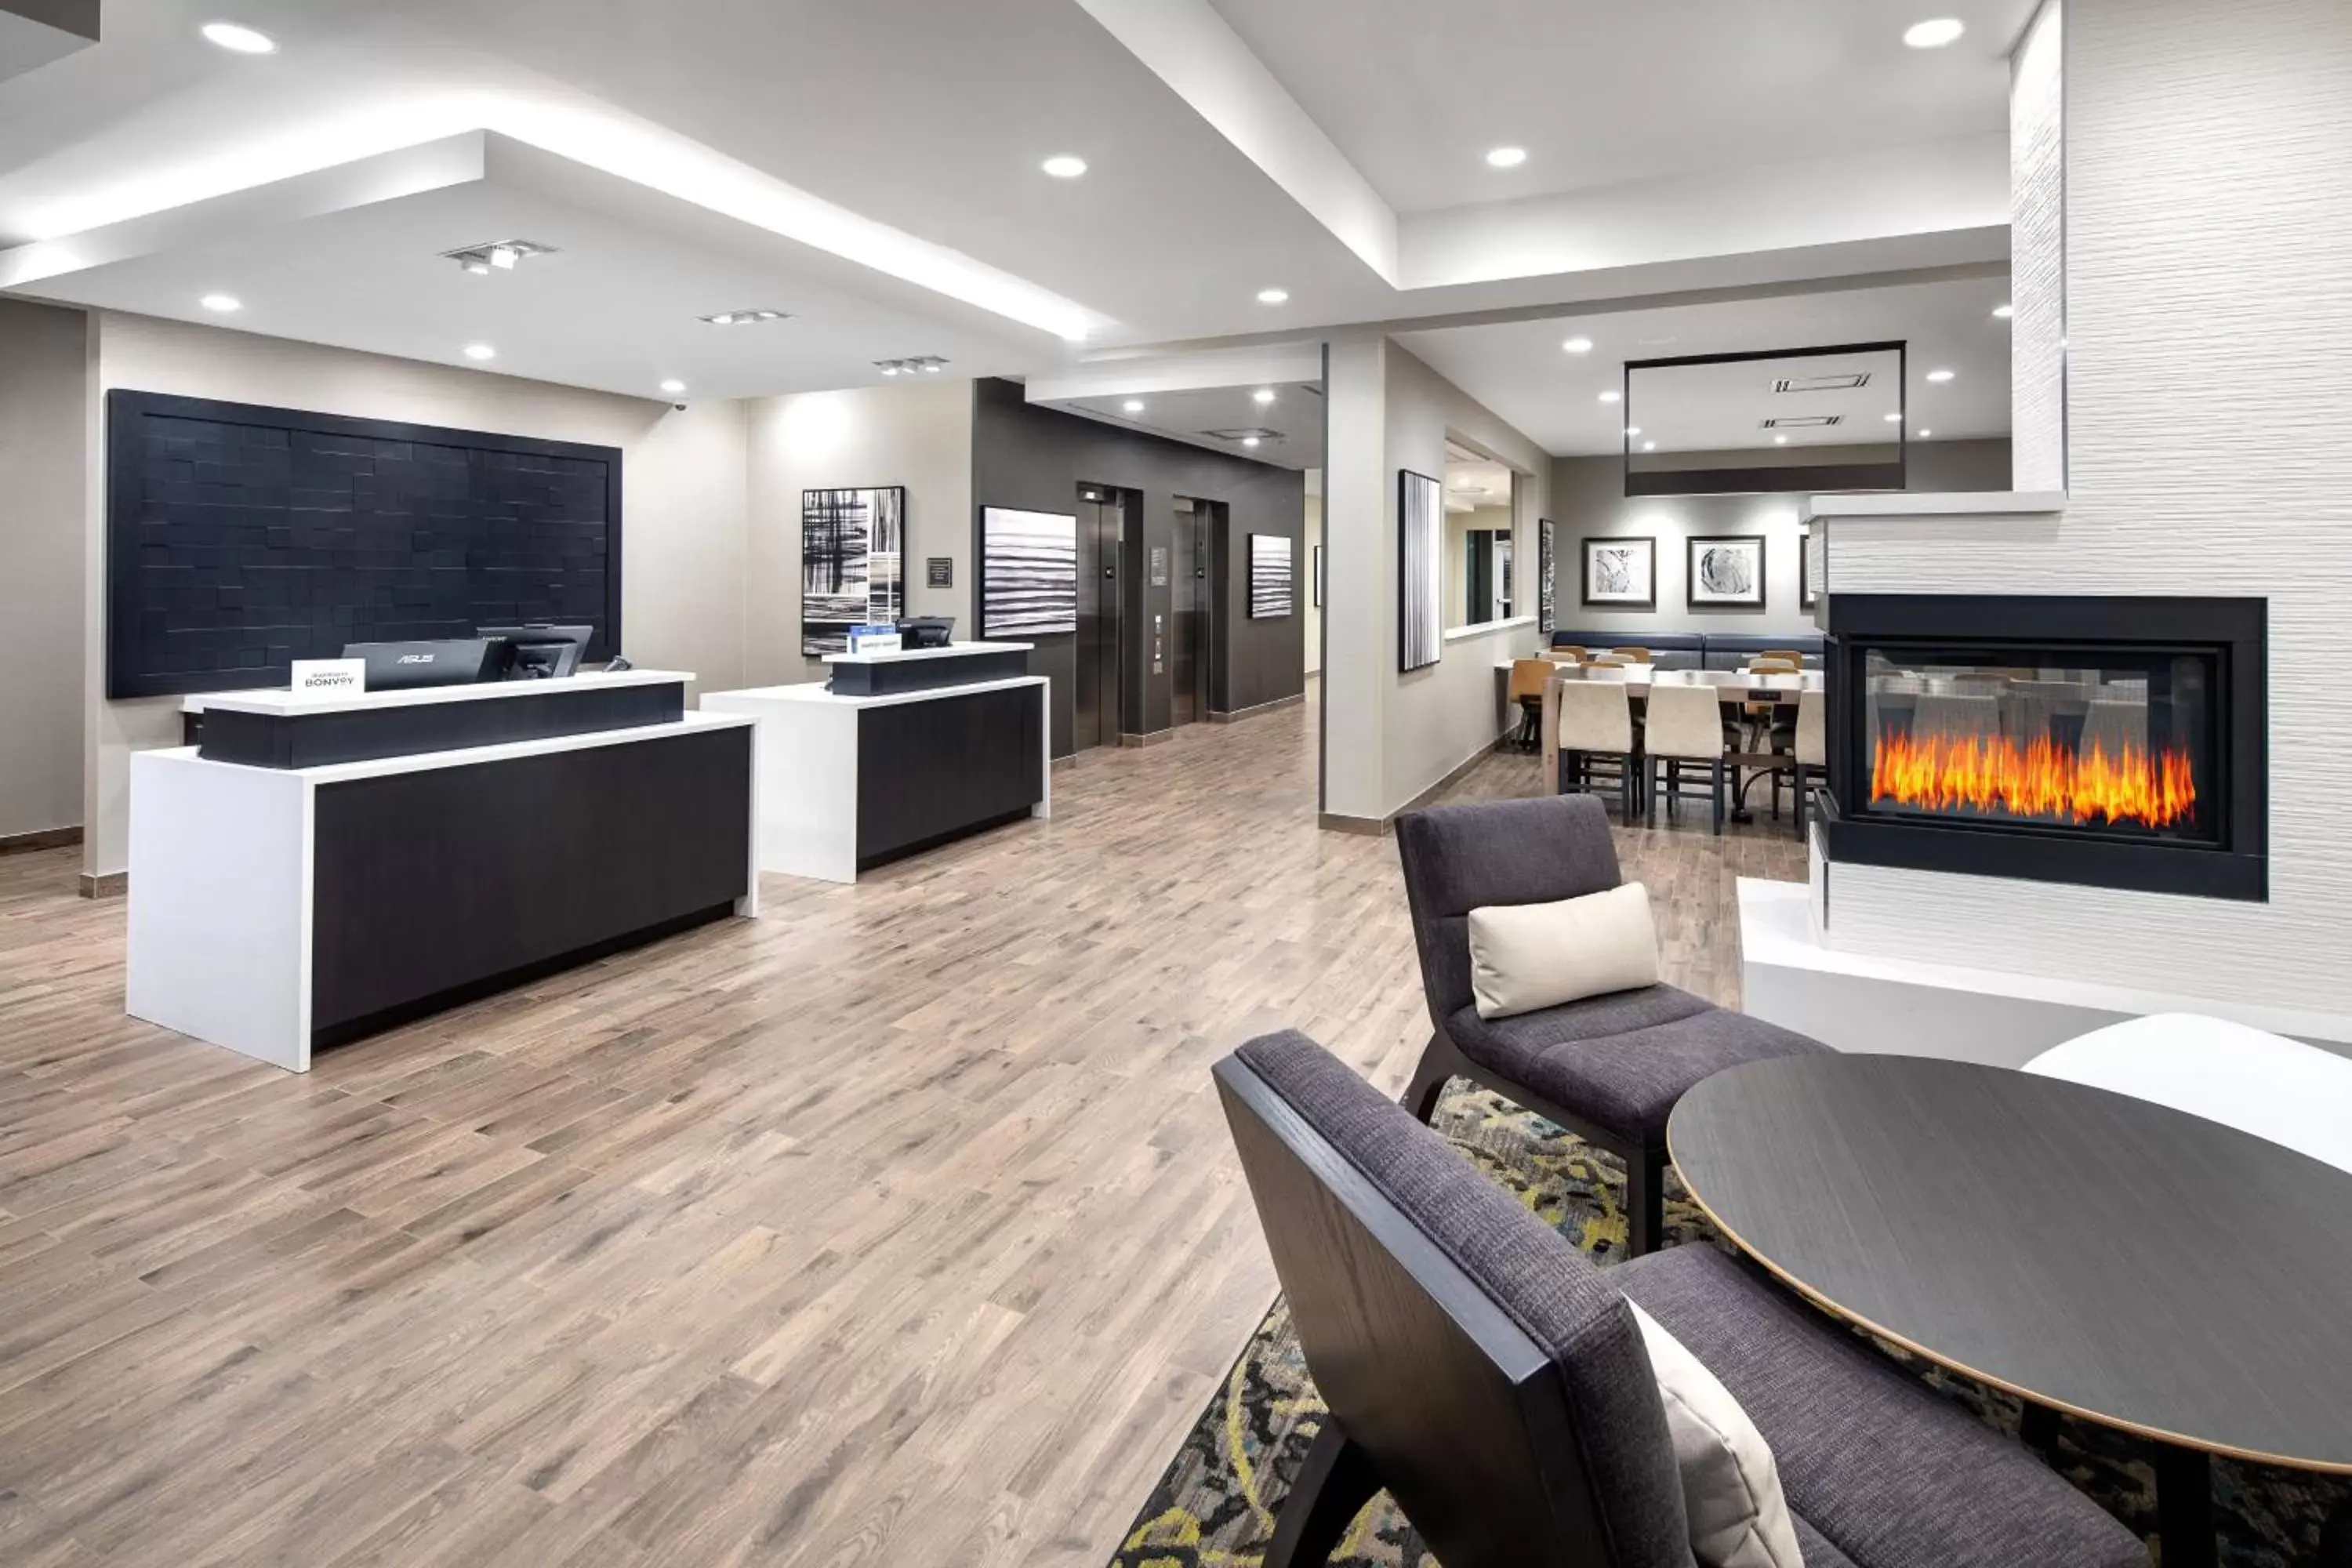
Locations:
(1871, 1004)
(1933, 504)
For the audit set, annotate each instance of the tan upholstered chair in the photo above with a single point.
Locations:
(1632, 655)
(1596, 725)
(1810, 755)
(1684, 726)
(1527, 677)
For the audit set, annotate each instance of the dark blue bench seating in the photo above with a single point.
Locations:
(1698, 650)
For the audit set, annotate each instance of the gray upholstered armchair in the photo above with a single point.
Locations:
(1608, 1069)
(1486, 1374)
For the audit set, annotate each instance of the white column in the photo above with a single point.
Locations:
(1359, 578)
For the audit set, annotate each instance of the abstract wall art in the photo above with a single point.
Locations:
(1421, 570)
(1620, 573)
(1028, 571)
(1270, 584)
(1727, 572)
(1546, 617)
(852, 545)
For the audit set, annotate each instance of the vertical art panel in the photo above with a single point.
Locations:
(1271, 588)
(853, 547)
(1421, 577)
(1545, 569)
(1028, 571)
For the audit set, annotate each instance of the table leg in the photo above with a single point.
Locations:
(2037, 1429)
(2184, 1507)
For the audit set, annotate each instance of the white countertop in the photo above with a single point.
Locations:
(420, 762)
(953, 650)
(281, 702)
(814, 694)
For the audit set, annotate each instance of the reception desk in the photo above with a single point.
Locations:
(929, 745)
(316, 869)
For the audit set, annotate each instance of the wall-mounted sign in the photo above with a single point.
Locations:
(939, 572)
(1159, 566)
(329, 677)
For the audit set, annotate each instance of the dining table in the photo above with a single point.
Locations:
(2096, 1255)
(1737, 688)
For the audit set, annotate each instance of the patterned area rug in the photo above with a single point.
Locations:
(1215, 1506)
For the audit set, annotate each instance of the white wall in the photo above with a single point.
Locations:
(916, 433)
(682, 485)
(1588, 495)
(2037, 250)
(43, 376)
(2208, 153)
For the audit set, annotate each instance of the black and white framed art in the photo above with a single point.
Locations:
(1421, 574)
(1028, 571)
(1543, 571)
(1805, 570)
(1621, 573)
(852, 542)
(1727, 572)
(1270, 582)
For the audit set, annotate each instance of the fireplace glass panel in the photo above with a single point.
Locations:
(2111, 744)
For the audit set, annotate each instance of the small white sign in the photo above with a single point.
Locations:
(875, 640)
(330, 676)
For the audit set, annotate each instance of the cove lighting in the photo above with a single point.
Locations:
(1508, 157)
(2003, 312)
(480, 350)
(1273, 296)
(1263, 395)
(1132, 406)
(1939, 376)
(1612, 395)
(239, 40)
(1934, 32)
(673, 386)
(1064, 166)
(222, 302)
(1578, 345)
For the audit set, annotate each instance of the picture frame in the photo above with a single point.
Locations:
(1421, 571)
(1726, 572)
(1805, 590)
(1273, 587)
(1544, 570)
(853, 549)
(1620, 571)
(1028, 571)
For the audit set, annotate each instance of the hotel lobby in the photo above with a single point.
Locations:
(1143, 783)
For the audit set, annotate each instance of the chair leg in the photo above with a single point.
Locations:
(1428, 1079)
(1649, 792)
(1645, 1202)
(1717, 793)
(1332, 1488)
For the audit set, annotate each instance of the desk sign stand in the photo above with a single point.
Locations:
(875, 640)
(329, 677)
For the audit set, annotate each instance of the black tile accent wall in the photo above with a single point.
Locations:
(241, 538)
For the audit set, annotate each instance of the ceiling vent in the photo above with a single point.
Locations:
(1845, 381)
(497, 256)
(1257, 432)
(1804, 421)
(745, 318)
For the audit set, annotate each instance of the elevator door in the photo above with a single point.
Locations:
(1101, 526)
(1188, 664)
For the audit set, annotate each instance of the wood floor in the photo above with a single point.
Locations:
(897, 1226)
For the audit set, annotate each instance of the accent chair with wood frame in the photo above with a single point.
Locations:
(1609, 1068)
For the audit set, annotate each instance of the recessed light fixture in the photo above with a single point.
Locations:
(1249, 440)
(1064, 166)
(1934, 32)
(1925, 434)
(1632, 430)
(744, 318)
(1939, 376)
(1132, 406)
(1261, 396)
(1507, 157)
(2003, 311)
(1780, 440)
(1578, 345)
(1649, 446)
(673, 386)
(222, 302)
(239, 40)
(1273, 296)
(480, 350)
(919, 365)
(500, 255)
(1895, 419)
(1612, 395)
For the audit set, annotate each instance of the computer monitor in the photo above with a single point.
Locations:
(540, 652)
(457, 661)
(926, 631)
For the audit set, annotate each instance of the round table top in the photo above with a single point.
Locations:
(2122, 1261)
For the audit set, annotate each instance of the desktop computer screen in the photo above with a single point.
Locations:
(540, 652)
(395, 666)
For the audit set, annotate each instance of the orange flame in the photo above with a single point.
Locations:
(1949, 771)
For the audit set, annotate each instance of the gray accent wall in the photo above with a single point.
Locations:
(44, 418)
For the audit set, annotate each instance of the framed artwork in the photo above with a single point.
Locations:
(1028, 571)
(1726, 572)
(1544, 618)
(1271, 586)
(1421, 574)
(1318, 577)
(1621, 573)
(1805, 570)
(851, 546)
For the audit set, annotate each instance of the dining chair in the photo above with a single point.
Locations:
(1684, 725)
(1567, 652)
(1632, 655)
(1774, 664)
(1596, 725)
(1607, 661)
(1527, 689)
(1791, 655)
(1809, 755)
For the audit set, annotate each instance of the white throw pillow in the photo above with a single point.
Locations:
(1731, 1490)
(1527, 956)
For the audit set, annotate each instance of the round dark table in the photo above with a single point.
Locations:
(2092, 1254)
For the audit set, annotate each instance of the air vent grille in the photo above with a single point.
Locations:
(1845, 381)
(1804, 421)
(1243, 433)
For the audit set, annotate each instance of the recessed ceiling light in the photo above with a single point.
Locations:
(1934, 32)
(239, 40)
(480, 350)
(1780, 440)
(1263, 395)
(1611, 396)
(1633, 429)
(1649, 446)
(1895, 419)
(222, 302)
(744, 318)
(1064, 166)
(1925, 434)
(1273, 296)
(1939, 376)
(1578, 345)
(1507, 157)
(673, 385)
(1249, 440)
(2003, 312)
(1132, 406)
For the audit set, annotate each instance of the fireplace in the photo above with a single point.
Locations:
(2113, 742)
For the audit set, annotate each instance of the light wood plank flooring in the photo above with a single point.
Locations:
(897, 1226)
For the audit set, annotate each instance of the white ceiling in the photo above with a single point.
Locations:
(1476, 486)
(1520, 370)
(1296, 415)
(1601, 92)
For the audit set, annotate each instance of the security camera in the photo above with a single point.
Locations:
(680, 407)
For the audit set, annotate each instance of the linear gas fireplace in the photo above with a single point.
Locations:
(2114, 741)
